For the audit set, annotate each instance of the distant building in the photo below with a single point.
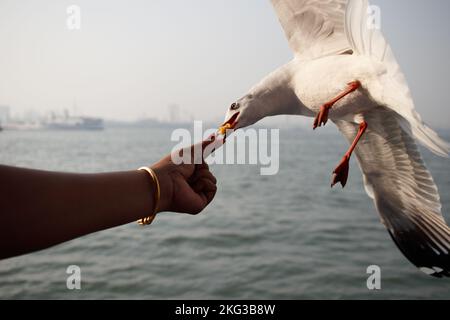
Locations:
(4, 114)
(174, 113)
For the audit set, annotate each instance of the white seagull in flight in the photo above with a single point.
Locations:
(345, 71)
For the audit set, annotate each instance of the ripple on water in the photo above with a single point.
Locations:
(280, 237)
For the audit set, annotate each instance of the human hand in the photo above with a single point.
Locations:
(185, 188)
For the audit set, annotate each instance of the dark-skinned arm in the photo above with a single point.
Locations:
(39, 209)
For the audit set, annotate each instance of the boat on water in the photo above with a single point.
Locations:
(54, 121)
(66, 123)
(74, 123)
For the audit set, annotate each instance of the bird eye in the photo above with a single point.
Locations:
(235, 106)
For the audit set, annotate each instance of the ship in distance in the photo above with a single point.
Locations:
(68, 122)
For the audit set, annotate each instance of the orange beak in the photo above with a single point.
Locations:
(230, 124)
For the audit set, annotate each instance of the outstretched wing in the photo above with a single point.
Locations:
(367, 39)
(314, 28)
(403, 190)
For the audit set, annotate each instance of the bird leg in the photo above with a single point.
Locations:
(322, 117)
(340, 174)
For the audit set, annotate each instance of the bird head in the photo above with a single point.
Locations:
(242, 113)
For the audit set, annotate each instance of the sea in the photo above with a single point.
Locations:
(285, 236)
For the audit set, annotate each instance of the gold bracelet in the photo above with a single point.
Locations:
(148, 220)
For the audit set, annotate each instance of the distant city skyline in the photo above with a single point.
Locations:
(174, 114)
(140, 58)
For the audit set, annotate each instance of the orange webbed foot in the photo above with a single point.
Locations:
(322, 117)
(340, 174)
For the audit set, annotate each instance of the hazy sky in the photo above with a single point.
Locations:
(133, 58)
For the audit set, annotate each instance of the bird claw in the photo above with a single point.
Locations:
(340, 174)
(322, 117)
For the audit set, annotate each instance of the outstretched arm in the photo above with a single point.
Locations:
(39, 209)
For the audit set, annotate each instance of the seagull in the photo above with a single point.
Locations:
(344, 71)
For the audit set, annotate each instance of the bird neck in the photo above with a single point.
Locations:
(275, 94)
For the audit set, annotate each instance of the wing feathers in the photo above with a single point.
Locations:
(403, 190)
(395, 93)
(314, 28)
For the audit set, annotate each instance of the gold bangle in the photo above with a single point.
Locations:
(148, 220)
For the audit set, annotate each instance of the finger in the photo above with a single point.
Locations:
(207, 185)
(204, 174)
(195, 149)
(208, 141)
(204, 185)
(192, 154)
(186, 171)
(192, 160)
(200, 170)
(210, 192)
(201, 194)
(209, 147)
(194, 202)
(210, 196)
(198, 186)
(202, 166)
